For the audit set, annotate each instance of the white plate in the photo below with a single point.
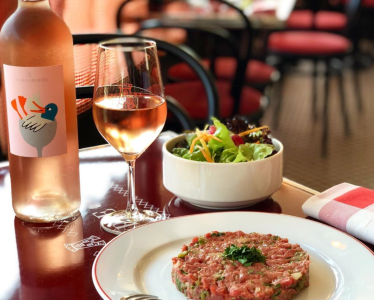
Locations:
(139, 261)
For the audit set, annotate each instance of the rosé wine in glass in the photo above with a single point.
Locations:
(129, 111)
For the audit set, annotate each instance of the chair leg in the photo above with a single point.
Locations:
(356, 82)
(2, 156)
(326, 110)
(343, 103)
(314, 91)
(278, 91)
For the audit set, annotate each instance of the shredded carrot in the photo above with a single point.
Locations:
(216, 138)
(193, 144)
(206, 137)
(205, 148)
(252, 130)
(208, 159)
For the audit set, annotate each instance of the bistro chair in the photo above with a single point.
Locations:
(334, 20)
(323, 20)
(256, 73)
(131, 13)
(320, 16)
(365, 28)
(234, 98)
(318, 46)
(88, 134)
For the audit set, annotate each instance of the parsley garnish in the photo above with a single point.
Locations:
(246, 256)
(268, 284)
(276, 294)
(201, 241)
(217, 234)
(178, 283)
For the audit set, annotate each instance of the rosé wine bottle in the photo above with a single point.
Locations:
(38, 76)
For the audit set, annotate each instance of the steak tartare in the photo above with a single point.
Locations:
(238, 266)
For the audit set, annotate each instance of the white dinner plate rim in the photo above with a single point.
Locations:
(103, 294)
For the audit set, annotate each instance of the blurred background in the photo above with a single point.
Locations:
(304, 68)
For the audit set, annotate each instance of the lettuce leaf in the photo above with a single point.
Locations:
(185, 153)
(223, 134)
(236, 155)
(180, 151)
(216, 153)
(260, 151)
(246, 152)
(190, 137)
(195, 155)
(229, 155)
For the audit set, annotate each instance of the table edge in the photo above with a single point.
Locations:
(299, 186)
(285, 180)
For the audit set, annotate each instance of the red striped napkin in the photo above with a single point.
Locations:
(347, 207)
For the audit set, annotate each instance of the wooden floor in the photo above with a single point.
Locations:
(350, 158)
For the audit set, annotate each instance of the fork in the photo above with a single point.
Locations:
(140, 297)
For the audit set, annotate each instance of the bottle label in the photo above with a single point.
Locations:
(36, 110)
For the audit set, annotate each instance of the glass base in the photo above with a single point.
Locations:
(120, 221)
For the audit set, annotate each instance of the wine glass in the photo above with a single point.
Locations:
(129, 110)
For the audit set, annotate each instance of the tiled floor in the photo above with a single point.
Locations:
(350, 158)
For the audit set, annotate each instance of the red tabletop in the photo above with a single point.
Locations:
(54, 261)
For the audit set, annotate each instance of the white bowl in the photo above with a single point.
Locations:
(222, 185)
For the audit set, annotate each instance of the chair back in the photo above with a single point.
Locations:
(352, 10)
(245, 45)
(239, 48)
(157, 6)
(215, 38)
(142, 8)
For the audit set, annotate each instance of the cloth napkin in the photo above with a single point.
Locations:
(347, 207)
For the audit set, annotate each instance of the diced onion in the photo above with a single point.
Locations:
(296, 276)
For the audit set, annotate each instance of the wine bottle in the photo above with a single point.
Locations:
(38, 76)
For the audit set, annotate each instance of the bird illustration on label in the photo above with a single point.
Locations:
(38, 128)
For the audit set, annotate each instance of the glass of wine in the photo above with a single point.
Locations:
(129, 110)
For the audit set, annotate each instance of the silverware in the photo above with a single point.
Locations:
(140, 297)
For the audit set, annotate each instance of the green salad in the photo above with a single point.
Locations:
(218, 144)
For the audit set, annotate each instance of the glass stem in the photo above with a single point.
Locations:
(131, 209)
